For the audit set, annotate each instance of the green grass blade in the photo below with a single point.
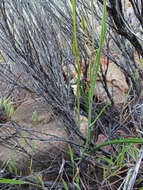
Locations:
(94, 71)
(65, 184)
(75, 47)
(97, 61)
(119, 141)
(12, 181)
(85, 98)
(71, 155)
(77, 186)
(98, 115)
(16, 182)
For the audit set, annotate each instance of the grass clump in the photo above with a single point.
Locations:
(7, 109)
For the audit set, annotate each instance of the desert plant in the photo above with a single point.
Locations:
(7, 108)
(38, 37)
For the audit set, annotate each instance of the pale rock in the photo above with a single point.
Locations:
(116, 83)
(45, 124)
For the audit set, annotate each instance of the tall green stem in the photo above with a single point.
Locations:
(75, 46)
(95, 68)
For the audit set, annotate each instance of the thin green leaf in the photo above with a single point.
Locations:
(0, 102)
(10, 168)
(109, 161)
(12, 181)
(65, 184)
(16, 182)
(35, 116)
(71, 155)
(119, 141)
(5, 103)
(11, 112)
(77, 60)
(84, 97)
(97, 61)
(103, 109)
(77, 178)
(122, 157)
(94, 72)
(77, 186)
(24, 139)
